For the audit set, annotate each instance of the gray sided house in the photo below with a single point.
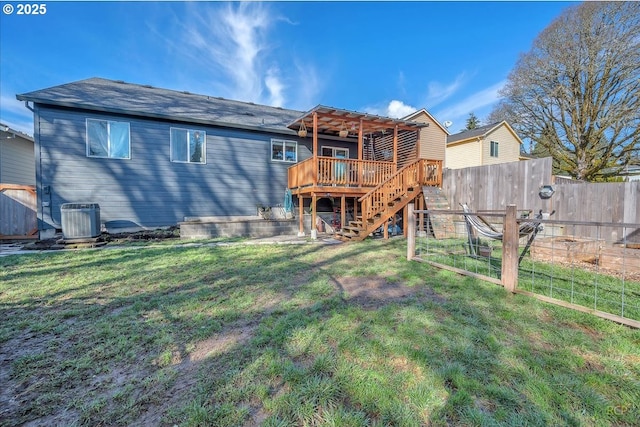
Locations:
(152, 157)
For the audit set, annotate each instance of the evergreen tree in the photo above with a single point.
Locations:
(472, 122)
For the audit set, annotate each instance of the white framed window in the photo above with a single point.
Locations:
(108, 139)
(494, 149)
(284, 151)
(340, 153)
(188, 145)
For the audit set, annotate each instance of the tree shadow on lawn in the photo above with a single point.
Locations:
(88, 331)
(218, 341)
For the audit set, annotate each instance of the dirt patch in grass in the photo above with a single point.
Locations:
(14, 392)
(375, 292)
(32, 389)
(21, 390)
(186, 371)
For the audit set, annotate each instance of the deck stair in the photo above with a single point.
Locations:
(441, 225)
(388, 198)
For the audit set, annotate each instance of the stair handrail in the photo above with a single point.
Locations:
(399, 171)
(401, 188)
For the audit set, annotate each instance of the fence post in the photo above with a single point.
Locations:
(510, 239)
(411, 232)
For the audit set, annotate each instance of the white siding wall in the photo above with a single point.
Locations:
(17, 162)
(464, 155)
(508, 147)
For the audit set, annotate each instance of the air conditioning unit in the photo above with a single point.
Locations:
(80, 220)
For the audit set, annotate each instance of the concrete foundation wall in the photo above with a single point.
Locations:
(243, 228)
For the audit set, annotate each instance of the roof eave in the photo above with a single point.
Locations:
(465, 140)
(424, 110)
(16, 133)
(284, 131)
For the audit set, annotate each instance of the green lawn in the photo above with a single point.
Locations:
(574, 283)
(292, 335)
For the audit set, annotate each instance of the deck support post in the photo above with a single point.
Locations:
(510, 237)
(411, 232)
(385, 230)
(405, 222)
(421, 214)
(355, 208)
(314, 207)
(301, 216)
(343, 209)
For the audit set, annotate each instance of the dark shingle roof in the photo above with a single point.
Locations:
(104, 95)
(466, 134)
(11, 133)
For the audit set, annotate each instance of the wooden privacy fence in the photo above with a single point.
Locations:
(606, 202)
(493, 187)
(556, 274)
(18, 212)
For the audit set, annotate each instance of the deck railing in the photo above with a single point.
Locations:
(340, 172)
(419, 173)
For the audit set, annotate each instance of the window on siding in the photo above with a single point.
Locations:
(341, 153)
(106, 138)
(494, 149)
(284, 151)
(188, 145)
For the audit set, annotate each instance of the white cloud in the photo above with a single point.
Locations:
(12, 105)
(395, 109)
(438, 92)
(307, 87)
(242, 32)
(401, 83)
(459, 112)
(236, 46)
(231, 42)
(275, 87)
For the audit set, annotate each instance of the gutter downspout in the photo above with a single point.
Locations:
(40, 193)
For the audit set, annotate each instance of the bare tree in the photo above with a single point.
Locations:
(577, 92)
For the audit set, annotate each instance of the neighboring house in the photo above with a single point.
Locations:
(631, 173)
(17, 164)
(486, 145)
(152, 157)
(433, 137)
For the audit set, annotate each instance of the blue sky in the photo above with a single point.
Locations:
(387, 58)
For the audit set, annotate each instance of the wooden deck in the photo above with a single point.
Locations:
(336, 177)
(350, 176)
(378, 190)
(374, 190)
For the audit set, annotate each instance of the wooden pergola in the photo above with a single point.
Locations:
(320, 176)
(329, 121)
